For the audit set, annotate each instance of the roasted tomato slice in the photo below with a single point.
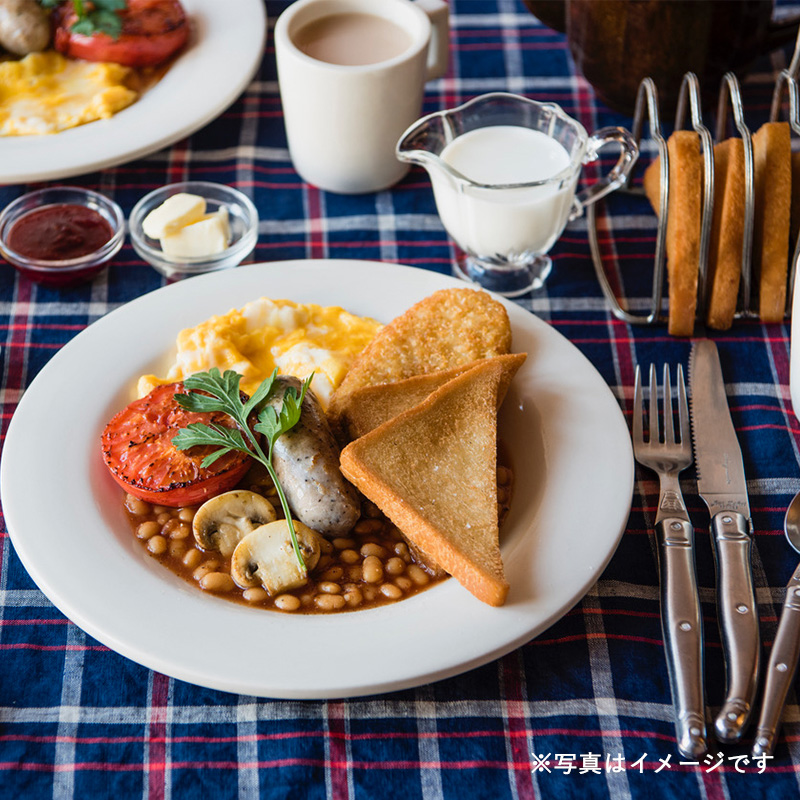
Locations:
(152, 31)
(138, 450)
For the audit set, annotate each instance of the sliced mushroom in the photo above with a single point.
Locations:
(223, 521)
(266, 557)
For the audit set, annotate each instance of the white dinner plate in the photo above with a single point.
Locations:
(567, 438)
(222, 56)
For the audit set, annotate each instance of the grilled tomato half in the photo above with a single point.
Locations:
(138, 450)
(152, 31)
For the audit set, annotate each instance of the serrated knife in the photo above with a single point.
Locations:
(721, 483)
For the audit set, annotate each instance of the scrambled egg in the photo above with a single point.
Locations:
(297, 339)
(47, 93)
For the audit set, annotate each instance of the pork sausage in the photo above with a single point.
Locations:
(306, 461)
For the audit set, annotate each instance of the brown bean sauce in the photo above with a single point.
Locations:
(339, 582)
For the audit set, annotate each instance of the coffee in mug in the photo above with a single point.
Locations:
(352, 76)
(352, 39)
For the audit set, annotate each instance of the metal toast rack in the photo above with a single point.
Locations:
(689, 100)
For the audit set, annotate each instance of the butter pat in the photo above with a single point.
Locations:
(207, 237)
(173, 214)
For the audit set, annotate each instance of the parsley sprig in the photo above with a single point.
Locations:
(222, 394)
(97, 16)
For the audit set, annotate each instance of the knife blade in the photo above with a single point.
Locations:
(722, 485)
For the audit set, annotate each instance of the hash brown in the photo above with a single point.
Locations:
(448, 328)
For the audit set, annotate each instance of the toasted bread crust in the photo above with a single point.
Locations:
(683, 229)
(449, 328)
(727, 233)
(684, 219)
(432, 471)
(772, 163)
(371, 406)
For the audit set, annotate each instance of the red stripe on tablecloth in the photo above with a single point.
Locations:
(712, 784)
(50, 648)
(756, 407)
(15, 373)
(619, 340)
(780, 357)
(177, 169)
(604, 636)
(610, 612)
(604, 235)
(517, 726)
(156, 737)
(372, 243)
(20, 325)
(743, 428)
(33, 346)
(100, 766)
(43, 327)
(338, 763)
(316, 240)
(383, 735)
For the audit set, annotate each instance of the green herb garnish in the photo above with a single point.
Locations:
(222, 394)
(97, 16)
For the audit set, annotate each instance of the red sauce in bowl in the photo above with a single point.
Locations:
(59, 232)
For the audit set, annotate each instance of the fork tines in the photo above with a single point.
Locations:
(667, 435)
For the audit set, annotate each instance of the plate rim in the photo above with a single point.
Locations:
(81, 142)
(437, 669)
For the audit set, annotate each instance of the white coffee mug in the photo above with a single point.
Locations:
(343, 121)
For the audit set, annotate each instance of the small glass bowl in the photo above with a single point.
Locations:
(64, 272)
(242, 217)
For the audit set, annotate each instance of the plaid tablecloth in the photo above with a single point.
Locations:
(583, 710)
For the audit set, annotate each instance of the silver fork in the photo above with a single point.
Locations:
(681, 620)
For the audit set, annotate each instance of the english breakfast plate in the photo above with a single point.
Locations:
(568, 442)
(222, 56)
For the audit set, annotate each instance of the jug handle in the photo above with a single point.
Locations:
(439, 48)
(618, 176)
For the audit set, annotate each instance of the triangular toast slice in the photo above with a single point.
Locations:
(371, 406)
(433, 471)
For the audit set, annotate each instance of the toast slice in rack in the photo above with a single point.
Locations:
(433, 471)
(772, 167)
(684, 218)
(371, 406)
(727, 234)
(449, 328)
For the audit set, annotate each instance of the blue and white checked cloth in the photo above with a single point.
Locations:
(582, 711)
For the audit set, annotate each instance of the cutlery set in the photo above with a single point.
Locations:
(721, 484)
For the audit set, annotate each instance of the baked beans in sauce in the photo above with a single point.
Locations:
(372, 566)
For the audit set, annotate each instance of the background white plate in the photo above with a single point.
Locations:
(221, 58)
(574, 479)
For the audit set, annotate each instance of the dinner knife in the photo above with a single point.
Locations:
(721, 483)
